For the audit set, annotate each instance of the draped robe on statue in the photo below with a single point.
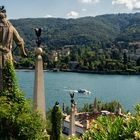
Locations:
(8, 34)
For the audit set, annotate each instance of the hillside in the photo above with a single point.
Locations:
(81, 31)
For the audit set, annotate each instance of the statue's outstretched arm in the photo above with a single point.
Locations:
(19, 41)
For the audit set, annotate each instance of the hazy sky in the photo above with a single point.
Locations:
(67, 8)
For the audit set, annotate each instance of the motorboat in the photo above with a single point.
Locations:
(83, 91)
(55, 70)
(80, 91)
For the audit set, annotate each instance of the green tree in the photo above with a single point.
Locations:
(56, 119)
(125, 58)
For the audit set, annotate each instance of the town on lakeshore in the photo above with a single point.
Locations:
(114, 51)
(85, 45)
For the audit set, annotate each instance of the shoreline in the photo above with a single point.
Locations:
(86, 71)
(104, 72)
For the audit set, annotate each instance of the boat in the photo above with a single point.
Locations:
(83, 91)
(55, 70)
(80, 91)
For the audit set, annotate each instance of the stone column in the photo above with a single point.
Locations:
(72, 119)
(39, 97)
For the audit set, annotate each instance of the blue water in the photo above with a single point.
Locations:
(122, 88)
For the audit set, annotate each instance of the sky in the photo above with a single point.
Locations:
(67, 8)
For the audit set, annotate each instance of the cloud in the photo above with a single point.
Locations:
(48, 16)
(137, 6)
(89, 1)
(73, 14)
(130, 4)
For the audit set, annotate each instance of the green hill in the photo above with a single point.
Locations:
(81, 31)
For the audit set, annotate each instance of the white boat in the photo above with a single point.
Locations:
(83, 91)
(80, 91)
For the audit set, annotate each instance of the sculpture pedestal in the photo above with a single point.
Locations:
(72, 120)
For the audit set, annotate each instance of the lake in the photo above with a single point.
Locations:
(122, 88)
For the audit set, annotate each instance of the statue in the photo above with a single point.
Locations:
(72, 98)
(38, 34)
(7, 34)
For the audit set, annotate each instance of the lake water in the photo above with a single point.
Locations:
(122, 88)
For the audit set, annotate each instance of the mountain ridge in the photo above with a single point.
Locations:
(81, 31)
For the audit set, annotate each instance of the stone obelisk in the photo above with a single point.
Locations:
(39, 96)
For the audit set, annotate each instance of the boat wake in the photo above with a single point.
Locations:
(70, 90)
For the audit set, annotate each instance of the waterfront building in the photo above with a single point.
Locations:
(54, 55)
(66, 51)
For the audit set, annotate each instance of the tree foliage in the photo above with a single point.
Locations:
(82, 31)
(109, 106)
(17, 121)
(124, 127)
(56, 119)
(115, 128)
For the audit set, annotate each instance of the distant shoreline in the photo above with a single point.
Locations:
(87, 71)
(104, 72)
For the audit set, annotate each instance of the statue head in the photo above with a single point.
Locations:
(2, 12)
(2, 9)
